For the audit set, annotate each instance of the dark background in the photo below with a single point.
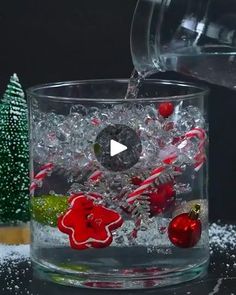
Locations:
(46, 41)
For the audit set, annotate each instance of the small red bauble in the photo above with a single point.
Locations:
(185, 230)
(136, 180)
(166, 109)
(161, 198)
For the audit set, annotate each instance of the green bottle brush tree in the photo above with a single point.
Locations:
(14, 155)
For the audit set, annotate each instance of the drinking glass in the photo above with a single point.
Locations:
(98, 223)
(196, 38)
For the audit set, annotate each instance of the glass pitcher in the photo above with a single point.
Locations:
(196, 38)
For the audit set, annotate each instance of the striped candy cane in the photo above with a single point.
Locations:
(197, 132)
(45, 171)
(200, 158)
(157, 172)
(134, 233)
(95, 176)
(145, 184)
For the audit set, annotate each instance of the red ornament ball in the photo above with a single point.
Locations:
(184, 231)
(161, 198)
(166, 109)
(136, 180)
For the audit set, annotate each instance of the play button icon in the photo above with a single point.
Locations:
(117, 147)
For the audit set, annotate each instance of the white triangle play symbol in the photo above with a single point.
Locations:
(116, 148)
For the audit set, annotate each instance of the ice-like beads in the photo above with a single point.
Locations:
(197, 116)
(79, 109)
(188, 148)
(67, 140)
(184, 123)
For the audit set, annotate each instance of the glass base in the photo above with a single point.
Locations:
(129, 281)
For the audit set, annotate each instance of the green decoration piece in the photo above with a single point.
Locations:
(97, 148)
(71, 266)
(14, 155)
(47, 208)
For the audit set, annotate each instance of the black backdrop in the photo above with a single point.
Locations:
(45, 41)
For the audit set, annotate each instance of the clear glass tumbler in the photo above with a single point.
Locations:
(119, 186)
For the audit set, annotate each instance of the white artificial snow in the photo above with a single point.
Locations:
(222, 237)
(14, 253)
(14, 278)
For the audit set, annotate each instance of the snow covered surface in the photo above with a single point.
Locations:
(14, 253)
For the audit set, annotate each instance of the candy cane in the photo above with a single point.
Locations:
(151, 179)
(134, 233)
(95, 176)
(45, 171)
(200, 158)
(145, 184)
(200, 134)
(169, 160)
(196, 132)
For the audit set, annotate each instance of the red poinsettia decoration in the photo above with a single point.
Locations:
(88, 224)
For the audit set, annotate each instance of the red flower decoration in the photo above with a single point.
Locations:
(88, 225)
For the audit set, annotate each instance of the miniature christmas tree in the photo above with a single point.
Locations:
(14, 155)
